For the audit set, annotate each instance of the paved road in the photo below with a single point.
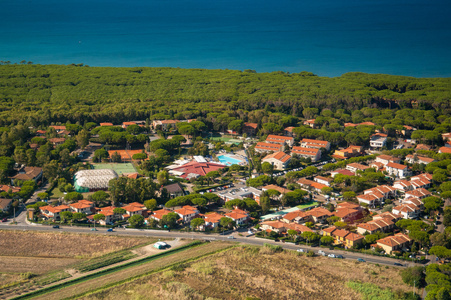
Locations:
(252, 240)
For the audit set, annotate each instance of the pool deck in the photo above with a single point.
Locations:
(242, 160)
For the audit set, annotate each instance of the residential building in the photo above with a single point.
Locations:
(354, 167)
(398, 170)
(134, 208)
(82, 206)
(298, 227)
(371, 199)
(420, 183)
(385, 159)
(389, 216)
(407, 211)
(164, 125)
(351, 151)
(348, 215)
(419, 193)
(58, 128)
(5, 205)
(444, 150)
(312, 153)
(239, 216)
(53, 212)
(276, 226)
(250, 128)
(289, 131)
(377, 165)
(279, 160)
(316, 144)
(212, 219)
(28, 173)
(9, 189)
(397, 242)
(281, 190)
(403, 185)
(247, 192)
(386, 190)
(195, 169)
(323, 180)
(297, 216)
(310, 184)
(319, 214)
(106, 124)
(423, 147)
(57, 141)
(342, 172)
(378, 140)
(158, 214)
(415, 159)
(280, 140)
(345, 237)
(110, 215)
(424, 176)
(175, 190)
(187, 213)
(268, 147)
(446, 136)
(382, 225)
(310, 123)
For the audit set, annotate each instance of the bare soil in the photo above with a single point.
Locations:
(35, 265)
(250, 272)
(62, 245)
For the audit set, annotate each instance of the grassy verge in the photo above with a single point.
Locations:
(104, 272)
(371, 291)
(105, 260)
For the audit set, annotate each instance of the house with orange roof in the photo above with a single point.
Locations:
(348, 215)
(398, 170)
(82, 206)
(415, 159)
(323, 180)
(106, 124)
(342, 172)
(386, 190)
(403, 185)
(385, 159)
(345, 237)
(444, 150)
(414, 200)
(250, 128)
(58, 128)
(281, 190)
(378, 140)
(446, 136)
(158, 214)
(187, 213)
(40, 132)
(53, 212)
(126, 124)
(28, 173)
(310, 184)
(312, 153)
(372, 199)
(351, 151)
(380, 225)
(389, 216)
(298, 227)
(280, 140)
(310, 123)
(315, 144)
(289, 131)
(377, 165)
(239, 216)
(109, 214)
(408, 210)
(279, 160)
(9, 189)
(297, 216)
(423, 147)
(57, 141)
(354, 167)
(276, 226)
(420, 183)
(319, 214)
(397, 242)
(134, 208)
(419, 193)
(268, 147)
(212, 219)
(425, 176)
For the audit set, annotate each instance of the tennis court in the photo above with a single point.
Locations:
(120, 168)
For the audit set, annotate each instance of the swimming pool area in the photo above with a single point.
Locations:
(231, 160)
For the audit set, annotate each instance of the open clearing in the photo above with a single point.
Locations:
(247, 271)
(63, 245)
(35, 265)
(145, 268)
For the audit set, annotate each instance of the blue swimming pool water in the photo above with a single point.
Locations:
(225, 159)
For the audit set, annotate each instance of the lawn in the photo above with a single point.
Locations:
(307, 205)
(247, 271)
(119, 168)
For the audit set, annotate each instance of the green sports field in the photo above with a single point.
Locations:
(120, 168)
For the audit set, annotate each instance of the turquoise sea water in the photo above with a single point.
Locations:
(326, 37)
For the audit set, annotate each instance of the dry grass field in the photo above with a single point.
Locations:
(244, 272)
(162, 262)
(35, 265)
(62, 245)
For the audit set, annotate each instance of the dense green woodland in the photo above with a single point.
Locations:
(58, 93)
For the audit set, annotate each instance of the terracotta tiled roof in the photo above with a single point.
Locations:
(281, 156)
(305, 151)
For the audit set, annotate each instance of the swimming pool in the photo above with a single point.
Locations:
(228, 160)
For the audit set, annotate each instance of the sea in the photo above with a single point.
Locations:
(325, 37)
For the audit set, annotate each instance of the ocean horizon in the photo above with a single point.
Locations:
(325, 37)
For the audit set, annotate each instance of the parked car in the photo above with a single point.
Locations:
(321, 252)
(331, 255)
(360, 260)
(231, 237)
(5, 220)
(93, 229)
(339, 256)
(56, 226)
(399, 265)
(110, 230)
(300, 250)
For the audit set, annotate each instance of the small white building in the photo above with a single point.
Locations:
(279, 160)
(398, 170)
(378, 140)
